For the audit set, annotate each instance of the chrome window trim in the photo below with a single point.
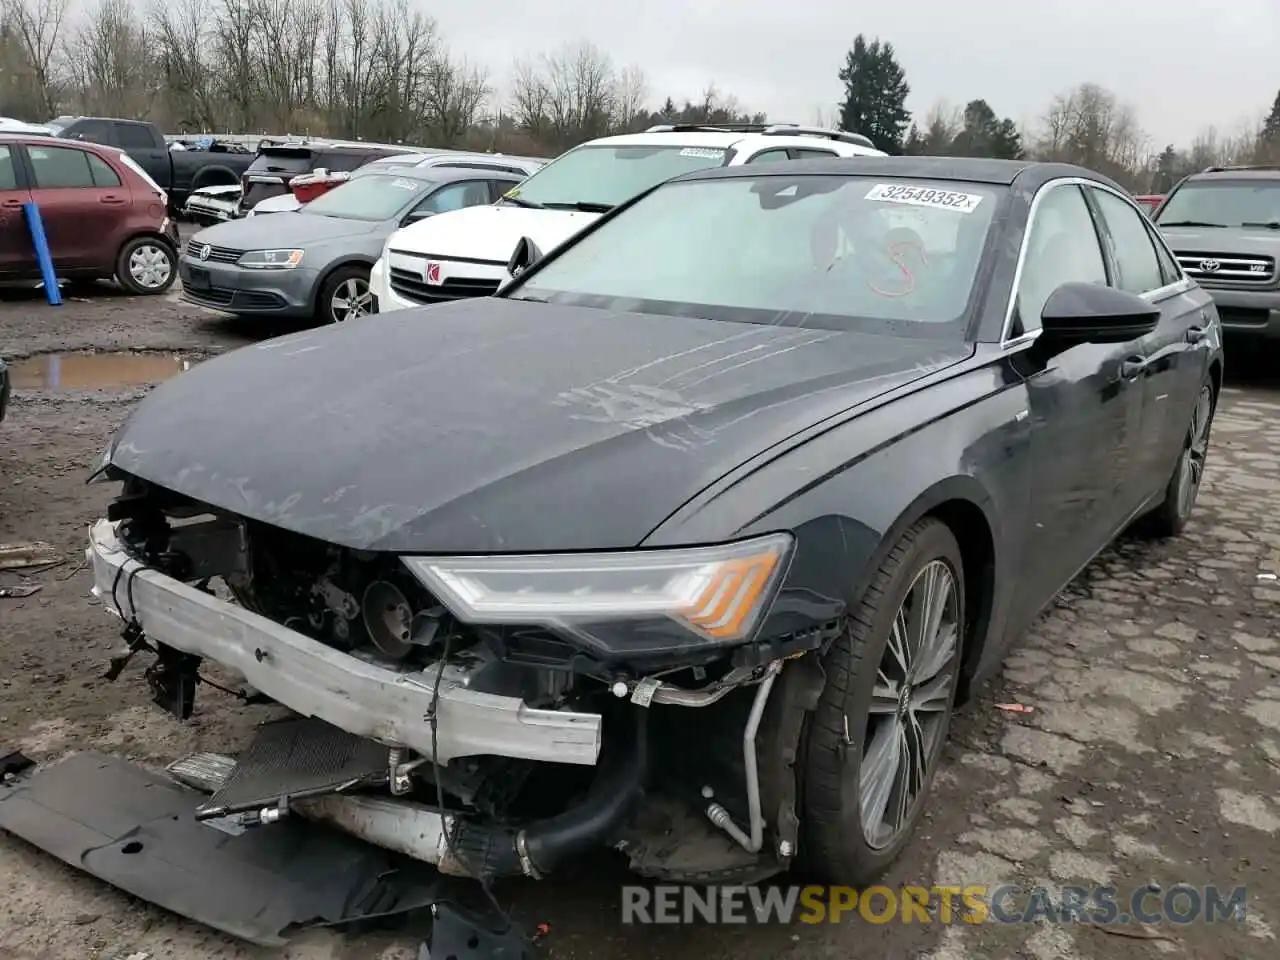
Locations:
(1160, 293)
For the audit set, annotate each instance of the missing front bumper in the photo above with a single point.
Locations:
(359, 696)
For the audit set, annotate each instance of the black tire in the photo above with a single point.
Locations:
(1170, 518)
(350, 277)
(147, 266)
(836, 846)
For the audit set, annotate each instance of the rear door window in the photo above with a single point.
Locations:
(60, 167)
(135, 136)
(95, 131)
(810, 153)
(101, 172)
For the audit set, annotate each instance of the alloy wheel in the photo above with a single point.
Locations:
(351, 299)
(1191, 466)
(910, 704)
(150, 266)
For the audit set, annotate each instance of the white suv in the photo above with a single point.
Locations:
(464, 253)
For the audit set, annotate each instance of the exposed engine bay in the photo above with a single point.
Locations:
(711, 800)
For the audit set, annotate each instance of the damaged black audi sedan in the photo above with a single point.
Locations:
(689, 541)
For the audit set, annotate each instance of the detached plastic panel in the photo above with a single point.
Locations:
(137, 831)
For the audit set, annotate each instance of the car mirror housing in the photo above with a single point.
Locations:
(1093, 313)
(416, 216)
(525, 255)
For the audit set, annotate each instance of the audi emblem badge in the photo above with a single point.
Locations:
(205, 251)
(1210, 266)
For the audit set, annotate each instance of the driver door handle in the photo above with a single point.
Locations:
(1132, 368)
(1196, 334)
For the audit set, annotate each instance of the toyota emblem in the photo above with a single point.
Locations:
(1210, 266)
(205, 251)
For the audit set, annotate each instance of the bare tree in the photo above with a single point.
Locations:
(37, 26)
(1088, 126)
(454, 97)
(110, 58)
(180, 31)
(631, 91)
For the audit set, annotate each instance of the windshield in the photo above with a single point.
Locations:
(602, 176)
(375, 197)
(1223, 203)
(840, 253)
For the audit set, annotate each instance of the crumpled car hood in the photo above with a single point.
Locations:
(497, 425)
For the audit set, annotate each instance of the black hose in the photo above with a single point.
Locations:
(618, 786)
(615, 791)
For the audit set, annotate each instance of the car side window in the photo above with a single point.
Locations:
(770, 156)
(101, 172)
(498, 187)
(1170, 272)
(95, 131)
(1137, 265)
(455, 196)
(1062, 247)
(8, 174)
(134, 136)
(810, 153)
(60, 167)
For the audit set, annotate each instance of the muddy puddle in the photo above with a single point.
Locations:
(96, 371)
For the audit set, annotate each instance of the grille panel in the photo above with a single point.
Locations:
(410, 285)
(216, 254)
(1227, 267)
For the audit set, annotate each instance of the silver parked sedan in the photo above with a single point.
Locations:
(314, 263)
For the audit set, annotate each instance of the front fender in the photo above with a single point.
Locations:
(851, 492)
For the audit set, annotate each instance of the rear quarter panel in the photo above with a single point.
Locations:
(849, 492)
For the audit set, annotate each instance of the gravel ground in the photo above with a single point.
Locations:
(1151, 754)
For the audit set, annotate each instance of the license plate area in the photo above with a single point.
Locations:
(197, 279)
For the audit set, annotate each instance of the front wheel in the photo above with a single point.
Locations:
(877, 734)
(345, 295)
(147, 265)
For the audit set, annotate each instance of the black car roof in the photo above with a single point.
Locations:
(960, 169)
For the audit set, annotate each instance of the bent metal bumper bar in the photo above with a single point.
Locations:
(361, 697)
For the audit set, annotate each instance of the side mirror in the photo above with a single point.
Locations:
(525, 255)
(417, 216)
(1092, 313)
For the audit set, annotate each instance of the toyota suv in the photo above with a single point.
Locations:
(465, 253)
(1224, 226)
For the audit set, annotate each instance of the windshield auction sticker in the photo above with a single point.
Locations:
(925, 197)
(702, 153)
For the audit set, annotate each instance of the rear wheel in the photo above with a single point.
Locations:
(877, 734)
(345, 295)
(146, 265)
(1170, 518)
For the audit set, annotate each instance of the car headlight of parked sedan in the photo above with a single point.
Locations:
(271, 259)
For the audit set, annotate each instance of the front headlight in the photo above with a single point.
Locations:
(719, 593)
(271, 259)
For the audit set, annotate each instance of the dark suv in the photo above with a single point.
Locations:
(1224, 226)
(278, 162)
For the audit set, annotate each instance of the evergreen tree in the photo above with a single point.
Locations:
(985, 135)
(1166, 172)
(1271, 128)
(875, 94)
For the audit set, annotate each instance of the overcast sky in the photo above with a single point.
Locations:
(1184, 64)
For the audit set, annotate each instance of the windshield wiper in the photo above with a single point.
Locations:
(583, 206)
(1266, 224)
(1188, 223)
(521, 202)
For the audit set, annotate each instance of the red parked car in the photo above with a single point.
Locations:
(103, 215)
(1149, 201)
